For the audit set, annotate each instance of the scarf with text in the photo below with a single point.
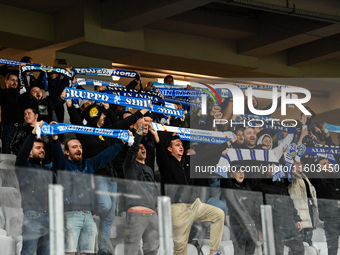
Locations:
(45, 69)
(196, 135)
(62, 128)
(82, 81)
(153, 96)
(138, 103)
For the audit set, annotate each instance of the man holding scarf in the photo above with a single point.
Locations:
(95, 116)
(141, 219)
(11, 111)
(33, 179)
(187, 208)
(79, 199)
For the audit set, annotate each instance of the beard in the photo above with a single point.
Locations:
(39, 156)
(77, 159)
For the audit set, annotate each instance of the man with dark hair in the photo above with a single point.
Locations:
(95, 116)
(187, 206)
(141, 219)
(169, 79)
(79, 200)
(43, 105)
(33, 184)
(28, 80)
(250, 139)
(240, 138)
(11, 111)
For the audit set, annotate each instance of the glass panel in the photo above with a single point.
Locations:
(215, 218)
(122, 213)
(24, 208)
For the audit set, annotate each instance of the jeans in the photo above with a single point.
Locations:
(105, 206)
(35, 233)
(80, 230)
(7, 135)
(219, 204)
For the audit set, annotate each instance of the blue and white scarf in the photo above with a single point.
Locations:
(61, 128)
(32, 68)
(167, 85)
(266, 156)
(332, 128)
(82, 81)
(320, 150)
(45, 69)
(258, 87)
(181, 92)
(138, 103)
(153, 96)
(183, 101)
(104, 72)
(289, 160)
(196, 135)
(224, 93)
(14, 62)
(255, 117)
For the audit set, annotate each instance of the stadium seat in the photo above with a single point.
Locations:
(7, 245)
(227, 248)
(191, 249)
(8, 164)
(2, 219)
(7, 174)
(10, 197)
(227, 220)
(204, 242)
(319, 235)
(226, 233)
(118, 227)
(18, 248)
(119, 250)
(14, 218)
(7, 156)
(258, 248)
(309, 250)
(319, 241)
(205, 249)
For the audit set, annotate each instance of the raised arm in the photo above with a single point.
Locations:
(105, 156)
(127, 122)
(132, 152)
(58, 158)
(74, 116)
(25, 150)
(161, 157)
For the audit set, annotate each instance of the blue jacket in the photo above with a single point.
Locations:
(78, 178)
(33, 177)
